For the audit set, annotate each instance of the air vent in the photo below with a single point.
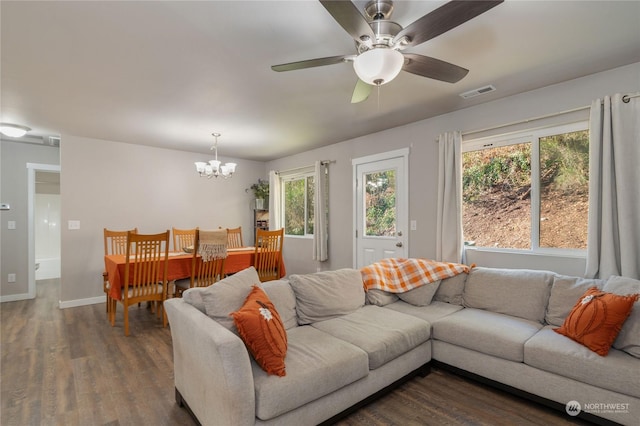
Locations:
(477, 92)
(54, 141)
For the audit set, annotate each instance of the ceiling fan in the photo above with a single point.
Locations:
(380, 42)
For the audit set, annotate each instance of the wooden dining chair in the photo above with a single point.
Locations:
(234, 237)
(115, 242)
(183, 238)
(203, 273)
(268, 254)
(145, 274)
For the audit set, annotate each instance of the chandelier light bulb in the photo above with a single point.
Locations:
(379, 65)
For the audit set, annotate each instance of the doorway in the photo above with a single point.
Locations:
(381, 208)
(50, 173)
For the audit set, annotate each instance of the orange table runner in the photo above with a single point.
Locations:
(179, 267)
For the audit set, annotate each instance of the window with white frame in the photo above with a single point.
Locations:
(297, 200)
(527, 190)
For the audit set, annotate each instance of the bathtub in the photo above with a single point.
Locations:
(47, 268)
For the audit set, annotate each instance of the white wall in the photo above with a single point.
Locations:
(47, 235)
(114, 185)
(423, 168)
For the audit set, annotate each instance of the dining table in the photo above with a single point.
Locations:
(179, 266)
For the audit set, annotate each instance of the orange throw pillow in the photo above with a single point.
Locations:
(596, 319)
(261, 329)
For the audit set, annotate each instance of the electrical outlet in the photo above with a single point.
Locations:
(11, 278)
(74, 225)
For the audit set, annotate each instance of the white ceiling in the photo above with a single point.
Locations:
(168, 74)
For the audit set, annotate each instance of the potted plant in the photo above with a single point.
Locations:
(261, 193)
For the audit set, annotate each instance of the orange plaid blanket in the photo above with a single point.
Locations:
(399, 275)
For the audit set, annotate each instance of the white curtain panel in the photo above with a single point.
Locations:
(275, 203)
(320, 230)
(613, 241)
(449, 240)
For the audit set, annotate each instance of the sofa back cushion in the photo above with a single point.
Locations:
(565, 292)
(521, 293)
(422, 295)
(281, 295)
(326, 295)
(379, 297)
(628, 339)
(450, 290)
(228, 295)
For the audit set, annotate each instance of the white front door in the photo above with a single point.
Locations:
(381, 207)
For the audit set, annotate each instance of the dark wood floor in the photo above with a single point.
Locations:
(70, 367)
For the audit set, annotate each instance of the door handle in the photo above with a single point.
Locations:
(399, 244)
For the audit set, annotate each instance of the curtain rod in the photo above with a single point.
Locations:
(625, 99)
(323, 162)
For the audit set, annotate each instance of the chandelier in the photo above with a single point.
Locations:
(215, 168)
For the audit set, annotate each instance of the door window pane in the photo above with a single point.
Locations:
(380, 204)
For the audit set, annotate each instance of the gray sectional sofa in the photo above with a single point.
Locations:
(345, 345)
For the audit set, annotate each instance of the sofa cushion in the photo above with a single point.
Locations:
(281, 294)
(193, 296)
(422, 295)
(382, 333)
(488, 332)
(629, 338)
(228, 295)
(261, 329)
(431, 313)
(555, 353)
(379, 297)
(518, 292)
(450, 289)
(565, 291)
(326, 295)
(596, 319)
(317, 364)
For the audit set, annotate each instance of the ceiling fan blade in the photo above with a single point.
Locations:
(426, 66)
(310, 63)
(361, 92)
(349, 17)
(443, 19)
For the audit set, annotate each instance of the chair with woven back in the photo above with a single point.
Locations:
(268, 254)
(115, 242)
(234, 237)
(207, 264)
(183, 238)
(145, 276)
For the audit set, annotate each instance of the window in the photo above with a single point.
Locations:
(298, 193)
(527, 191)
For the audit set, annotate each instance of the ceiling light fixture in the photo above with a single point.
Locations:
(379, 65)
(13, 130)
(215, 168)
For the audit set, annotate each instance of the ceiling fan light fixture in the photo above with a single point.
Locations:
(13, 130)
(378, 66)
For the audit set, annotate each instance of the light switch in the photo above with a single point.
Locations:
(414, 225)
(74, 225)
(11, 224)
